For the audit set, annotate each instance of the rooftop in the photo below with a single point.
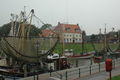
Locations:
(69, 28)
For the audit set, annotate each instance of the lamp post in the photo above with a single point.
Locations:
(37, 46)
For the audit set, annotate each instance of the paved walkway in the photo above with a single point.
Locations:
(102, 75)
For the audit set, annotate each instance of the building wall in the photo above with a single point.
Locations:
(69, 33)
(72, 37)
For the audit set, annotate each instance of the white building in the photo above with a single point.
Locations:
(69, 33)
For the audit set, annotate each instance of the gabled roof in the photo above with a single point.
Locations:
(68, 28)
(47, 32)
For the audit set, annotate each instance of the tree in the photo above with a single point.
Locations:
(94, 38)
(34, 31)
(45, 26)
(5, 30)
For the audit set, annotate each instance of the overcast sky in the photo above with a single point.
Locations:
(89, 14)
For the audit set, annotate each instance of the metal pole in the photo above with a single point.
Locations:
(76, 63)
(114, 63)
(34, 75)
(14, 77)
(90, 70)
(99, 67)
(79, 72)
(66, 75)
(50, 73)
(91, 61)
(38, 60)
(110, 75)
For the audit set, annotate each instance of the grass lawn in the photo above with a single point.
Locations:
(116, 77)
(77, 48)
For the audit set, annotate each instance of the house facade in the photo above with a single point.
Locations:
(69, 33)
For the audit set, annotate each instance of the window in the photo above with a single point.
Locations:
(67, 35)
(79, 40)
(67, 40)
(76, 40)
(67, 29)
(76, 35)
(79, 35)
(77, 30)
(70, 40)
(64, 40)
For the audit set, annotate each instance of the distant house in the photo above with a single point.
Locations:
(69, 33)
(48, 33)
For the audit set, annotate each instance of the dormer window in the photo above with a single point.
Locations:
(67, 29)
(77, 30)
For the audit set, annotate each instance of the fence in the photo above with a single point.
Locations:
(75, 73)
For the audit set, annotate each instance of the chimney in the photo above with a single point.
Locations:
(58, 23)
(77, 24)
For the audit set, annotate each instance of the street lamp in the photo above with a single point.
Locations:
(37, 47)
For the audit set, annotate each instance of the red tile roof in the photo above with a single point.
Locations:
(68, 28)
(47, 32)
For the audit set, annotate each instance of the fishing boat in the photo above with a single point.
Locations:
(107, 51)
(25, 50)
(84, 56)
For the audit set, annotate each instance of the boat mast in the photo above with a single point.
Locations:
(118, 39)
(32, 12)
(82, 42)
(63, 39)
(105, 39)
